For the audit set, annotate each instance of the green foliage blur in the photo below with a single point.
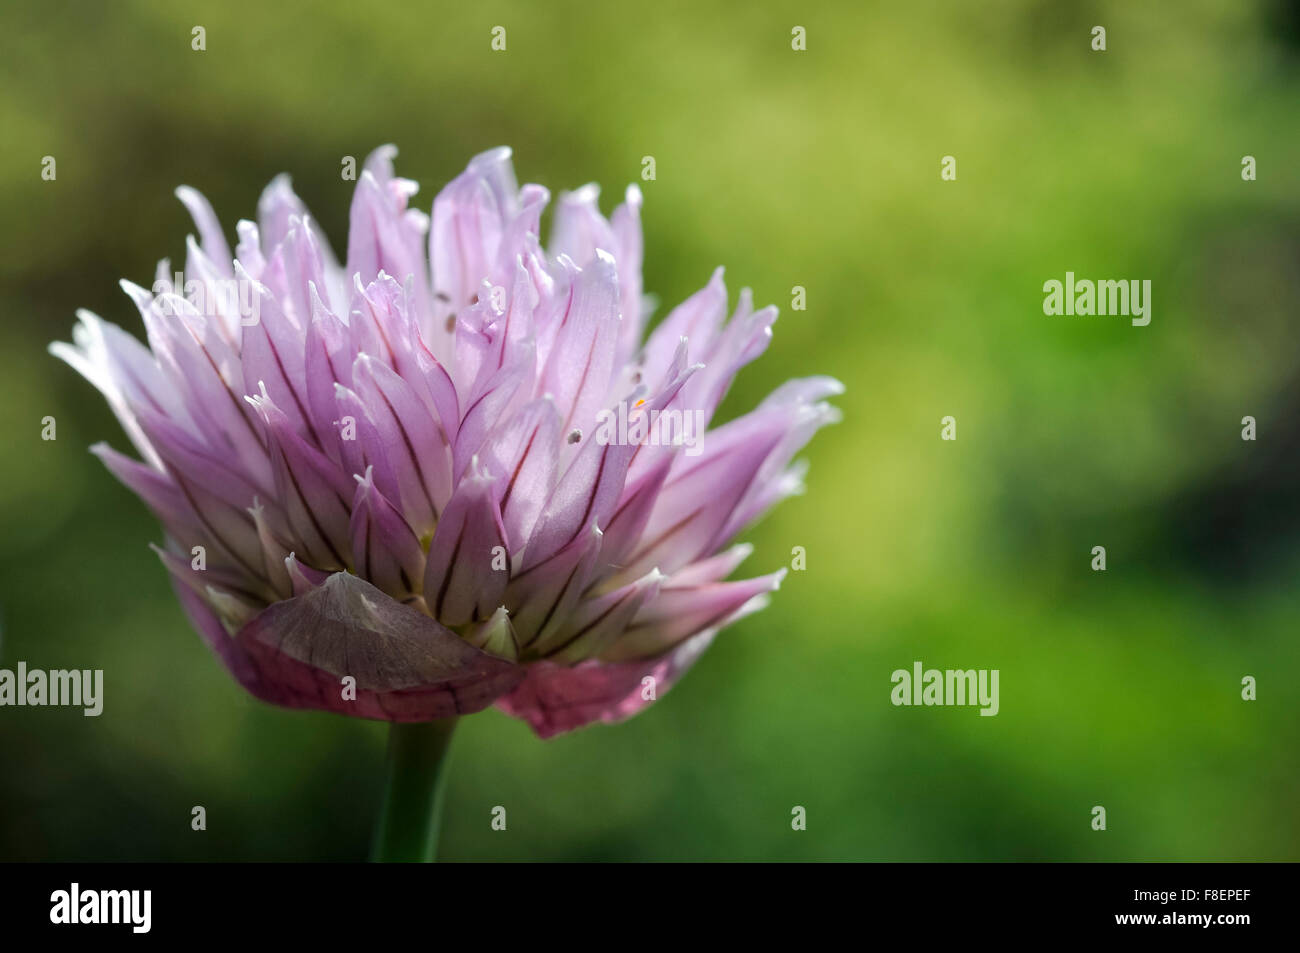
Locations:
(818, 168)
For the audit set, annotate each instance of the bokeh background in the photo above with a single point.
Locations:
(818, 169)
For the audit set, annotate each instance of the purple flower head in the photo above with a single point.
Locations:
(449, 472)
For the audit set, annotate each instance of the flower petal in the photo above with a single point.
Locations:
(416, 450)
(702, 493)
(800, 402)
(541, 597)
(383, 235)
(626, 224)
(124, 371)
(328, 361)
(232, 655)
(698, 319)
(496, 636)
(156, 489)
(217, 493)
(273, 353)
(468, 567)
(386, 551)
(554, 699)
(465, 234)
(579, 369)
(597, 623)
(205, 220)
(209, 379)
(586, 495)
(524, 453)
(276, 206)
(487, 408)
(680, 613)
(315, 494)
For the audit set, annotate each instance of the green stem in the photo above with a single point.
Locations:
(412, 809)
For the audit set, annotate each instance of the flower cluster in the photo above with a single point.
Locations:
(379, 480)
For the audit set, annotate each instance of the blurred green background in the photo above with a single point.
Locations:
(818, 169)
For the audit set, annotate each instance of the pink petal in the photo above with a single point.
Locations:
(698, 319)
(386, 551)
(679, 613)
(273, 353)
(554, 699)
(598, 622)
(580, 366)
(205, 220)
(702, 492)
(328, 361)
(412, 441)
(524, 454)
(383, 236)
(466, 575)
(315, 494)
(542, 597)
(626, 224)
(277, 205)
